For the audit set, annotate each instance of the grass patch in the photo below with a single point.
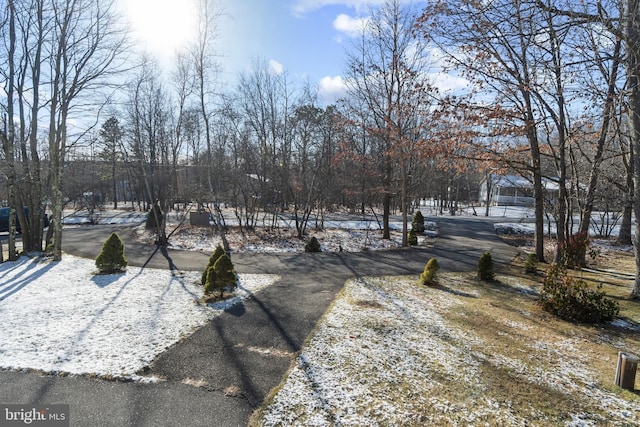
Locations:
(392, 352)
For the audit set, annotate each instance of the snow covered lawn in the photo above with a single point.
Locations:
(60, 317)
(392, 352)
(283, 240)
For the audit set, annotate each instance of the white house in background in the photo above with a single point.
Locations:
(513, 190)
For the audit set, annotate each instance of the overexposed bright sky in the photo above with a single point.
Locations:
(162, 26)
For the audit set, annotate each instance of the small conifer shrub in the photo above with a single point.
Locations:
(210, 283)
(428, 276)
(220, 277)
(412, 240)
(485, 267)
(212, 260)
(313, 245)
(417, 223)
(531, 264)
(225, 273)
(111, 259)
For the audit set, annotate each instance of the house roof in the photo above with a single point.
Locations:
(522, 182)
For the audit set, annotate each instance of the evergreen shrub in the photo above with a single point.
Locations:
(313, 245)
(428, 276)
(413, 238)
(210, 283)
(111, 259)
(531, 264)
(221, 276)
(572, 300)
(485, 267)
(212, 260)
(417, 223)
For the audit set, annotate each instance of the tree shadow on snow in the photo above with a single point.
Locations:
(26, 277)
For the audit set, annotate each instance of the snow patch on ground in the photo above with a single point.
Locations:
(60, 317)
(280, 240)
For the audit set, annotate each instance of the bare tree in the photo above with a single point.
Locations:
(265, 101)
(8, 133)
(309, 157)
(622, 19)
(387, 72)
(202, 53)
(149, 133)
(495, 45)
(85, 44)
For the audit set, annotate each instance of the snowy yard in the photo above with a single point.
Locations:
(284, 240)
(387, 352)
(391, 352)
(59, 317)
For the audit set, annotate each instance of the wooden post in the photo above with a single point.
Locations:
(626, 370)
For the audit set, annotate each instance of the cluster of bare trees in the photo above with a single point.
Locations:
(552, 94)
(559, 79)
(55, 56)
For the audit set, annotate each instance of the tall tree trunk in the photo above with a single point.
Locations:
(386, 203)
(405, 202)
(9, 137)
(536, 170)
(633, 76)
(115, 184)
(625, 236)
(607, 114)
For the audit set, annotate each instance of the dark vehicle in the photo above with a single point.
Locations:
(4, 219)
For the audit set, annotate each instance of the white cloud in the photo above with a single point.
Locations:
(302, 7)
(448, 83)
(275, 67)
(350, 26)
(330, 89)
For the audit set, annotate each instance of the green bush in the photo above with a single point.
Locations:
(485, 267)
(111, 258)
(413, 238)
(312, 245)
(212, 260)
(221, 276)
(573, 250)
(417, 223)
(531, 265)
(571, 299)
(428, 276)
(211, 284)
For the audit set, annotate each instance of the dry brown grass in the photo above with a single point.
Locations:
(484, 353)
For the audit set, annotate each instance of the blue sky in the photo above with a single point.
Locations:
(303, 43)
(307, 38)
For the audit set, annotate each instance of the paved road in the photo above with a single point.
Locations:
(242, 354)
